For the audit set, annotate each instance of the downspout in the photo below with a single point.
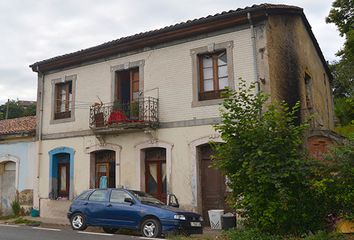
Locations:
(40, 123)
(255, 65)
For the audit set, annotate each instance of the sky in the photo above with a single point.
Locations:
(34, 30)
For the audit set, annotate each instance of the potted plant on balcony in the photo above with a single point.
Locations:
(98, 117)
(117, 115)
(134, 111)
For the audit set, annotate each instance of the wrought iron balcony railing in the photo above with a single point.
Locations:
(140, 113)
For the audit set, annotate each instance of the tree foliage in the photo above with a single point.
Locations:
(16, 109)
(269, 176)
(342, 15)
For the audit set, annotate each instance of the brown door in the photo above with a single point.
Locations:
(127, 85)
(102, 170)
(105, 172)
(212, 184)
(63, 179)
(155, 173)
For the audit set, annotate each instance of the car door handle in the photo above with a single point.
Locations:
(109, 205)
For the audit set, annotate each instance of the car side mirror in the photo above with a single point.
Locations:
(129, 200)
(172, 201)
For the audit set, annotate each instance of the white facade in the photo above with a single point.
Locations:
(167, 73)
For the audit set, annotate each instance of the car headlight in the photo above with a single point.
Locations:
(201, 219)
(179, 217)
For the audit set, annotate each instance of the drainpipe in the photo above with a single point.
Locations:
(40, 123)
(255, 65)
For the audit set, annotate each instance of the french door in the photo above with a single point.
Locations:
(155, 173)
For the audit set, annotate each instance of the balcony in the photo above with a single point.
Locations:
(139, 114)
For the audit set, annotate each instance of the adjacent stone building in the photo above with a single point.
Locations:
(17, 162)
(138, 111)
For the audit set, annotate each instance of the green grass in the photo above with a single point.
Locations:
(253, 234)
(26, 222)
(7, 217)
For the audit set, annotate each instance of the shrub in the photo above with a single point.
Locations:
(263, 159)
(16, 207)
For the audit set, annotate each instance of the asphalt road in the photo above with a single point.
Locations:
(15, 232)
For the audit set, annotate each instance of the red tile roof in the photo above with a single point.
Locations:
(18, 125)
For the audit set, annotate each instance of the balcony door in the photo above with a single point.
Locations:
(127, 85)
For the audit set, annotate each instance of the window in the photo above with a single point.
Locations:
(83, 195)
(63, 99)
(308, 94)
(118, 196)
(98, 195)
(213, 74)
(212, 71)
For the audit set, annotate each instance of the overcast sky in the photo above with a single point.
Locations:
(34, 30)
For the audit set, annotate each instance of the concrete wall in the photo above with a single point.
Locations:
(25, 152)
(19, 181)
(291, 55)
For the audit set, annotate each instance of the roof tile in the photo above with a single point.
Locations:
(18, 125)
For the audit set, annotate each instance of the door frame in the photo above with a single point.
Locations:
(11, 158)
(195, 165)
(140, 157)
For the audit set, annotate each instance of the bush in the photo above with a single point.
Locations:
(336, 183)
(249, 234)
(16, 208)
(264, 162)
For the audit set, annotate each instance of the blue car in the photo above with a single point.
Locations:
(118, 208)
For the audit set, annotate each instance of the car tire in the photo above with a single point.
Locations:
(109, 230)
(151, 228)
(78, 222)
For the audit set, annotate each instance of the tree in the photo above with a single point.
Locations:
(262, 158)
(342, 15)
(15, 110)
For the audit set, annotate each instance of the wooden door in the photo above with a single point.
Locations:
(102, 170)
(127, 85)
(212, 184)
(63, 179)
(155, 173)
(105, 166)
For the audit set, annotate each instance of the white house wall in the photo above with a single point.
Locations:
(180, 181)
(168, 68)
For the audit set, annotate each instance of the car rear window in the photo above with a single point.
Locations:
(99, 195)
(83, 195)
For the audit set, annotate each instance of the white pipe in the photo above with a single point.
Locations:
(253, 39)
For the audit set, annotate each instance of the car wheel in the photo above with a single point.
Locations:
(109, 230)
(151, 228)
(78, 222)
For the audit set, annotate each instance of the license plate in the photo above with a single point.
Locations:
(196, 224)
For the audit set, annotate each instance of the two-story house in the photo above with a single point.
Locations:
(138, 111)
(17, 162)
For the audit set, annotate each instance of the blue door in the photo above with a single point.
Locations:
(121, 213)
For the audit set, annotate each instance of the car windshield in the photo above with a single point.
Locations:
(146, 198)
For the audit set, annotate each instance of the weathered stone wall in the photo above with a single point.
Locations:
(291, 55)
